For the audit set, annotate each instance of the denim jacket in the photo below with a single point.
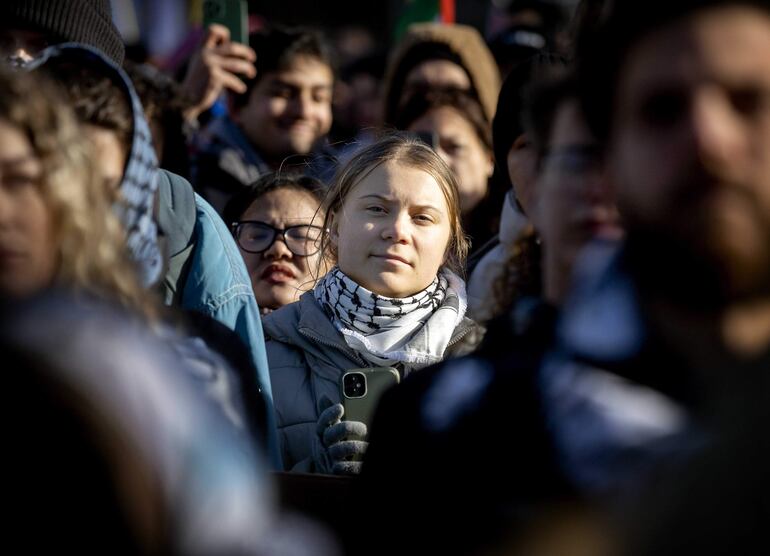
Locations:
(218, 285)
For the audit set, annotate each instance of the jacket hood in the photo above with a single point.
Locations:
(140, 175)
(467, 48)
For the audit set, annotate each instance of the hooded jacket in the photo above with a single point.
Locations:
(140, 175)
(307, 357)
(464, 43)
(205, 271)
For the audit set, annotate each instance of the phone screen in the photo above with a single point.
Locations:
(233, 14)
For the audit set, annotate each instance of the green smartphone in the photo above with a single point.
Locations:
(361, 390)
(233, 14)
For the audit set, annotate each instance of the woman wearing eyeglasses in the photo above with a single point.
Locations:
(277, 222)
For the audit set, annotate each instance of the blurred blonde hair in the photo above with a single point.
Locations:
(400, 148)
(91, 249)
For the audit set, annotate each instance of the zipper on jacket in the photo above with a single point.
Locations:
(461, 335)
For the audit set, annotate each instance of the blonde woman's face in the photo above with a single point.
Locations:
(393, 230)
(28, 260)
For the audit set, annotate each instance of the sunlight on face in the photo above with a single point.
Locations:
(393, 230)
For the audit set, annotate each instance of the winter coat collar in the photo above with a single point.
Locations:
(305, 325)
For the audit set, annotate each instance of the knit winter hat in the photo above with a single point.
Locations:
(83, 21)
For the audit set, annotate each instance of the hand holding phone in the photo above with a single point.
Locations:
(233, 14)
(222, 59)
(361, 390)
(338, 446)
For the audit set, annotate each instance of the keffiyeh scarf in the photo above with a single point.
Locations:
(413, 330)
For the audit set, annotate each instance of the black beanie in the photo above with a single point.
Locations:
(83, 21)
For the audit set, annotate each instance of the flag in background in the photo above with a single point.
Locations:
(419, 11)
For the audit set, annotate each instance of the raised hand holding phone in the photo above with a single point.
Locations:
(218, 64)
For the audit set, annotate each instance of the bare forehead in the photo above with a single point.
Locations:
(726, 45)
(444, 120)
(303, 70)
(401, 182)
(439, 72)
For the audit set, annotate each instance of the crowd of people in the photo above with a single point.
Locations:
(555, 240)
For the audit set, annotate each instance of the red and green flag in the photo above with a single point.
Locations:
(421, 11)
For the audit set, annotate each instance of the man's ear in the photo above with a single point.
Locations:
(490, 165)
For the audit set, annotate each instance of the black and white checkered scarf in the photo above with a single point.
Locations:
(414, 330)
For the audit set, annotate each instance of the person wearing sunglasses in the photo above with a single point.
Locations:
(276, 222)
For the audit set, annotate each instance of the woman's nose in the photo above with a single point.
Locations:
(397, 228)
(278, 249)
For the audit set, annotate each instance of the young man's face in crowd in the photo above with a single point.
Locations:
(289, 111)
(690, 146)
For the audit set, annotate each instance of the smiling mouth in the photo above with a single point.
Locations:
(302, 126)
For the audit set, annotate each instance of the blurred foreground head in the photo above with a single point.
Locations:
(56, 223)
(680, 91)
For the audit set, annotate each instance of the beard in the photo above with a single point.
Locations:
(710, 249)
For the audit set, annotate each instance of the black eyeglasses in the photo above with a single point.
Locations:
(255, 237)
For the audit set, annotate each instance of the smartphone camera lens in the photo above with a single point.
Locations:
(354, 385)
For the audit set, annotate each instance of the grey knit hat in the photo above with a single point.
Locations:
(83, 21)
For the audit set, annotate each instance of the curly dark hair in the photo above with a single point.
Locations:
(96, 99)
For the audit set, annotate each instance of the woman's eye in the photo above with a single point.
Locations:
(375, 209)
(424, 218)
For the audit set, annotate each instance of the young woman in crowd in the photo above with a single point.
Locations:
(453, 123)
(508, 266)
(277, 223)
(457, 417)
(394, 297)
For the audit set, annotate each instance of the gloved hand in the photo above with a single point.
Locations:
(338, 446)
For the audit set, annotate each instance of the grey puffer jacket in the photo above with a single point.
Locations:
(307, 356)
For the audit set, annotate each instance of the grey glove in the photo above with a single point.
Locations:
(338, 446)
